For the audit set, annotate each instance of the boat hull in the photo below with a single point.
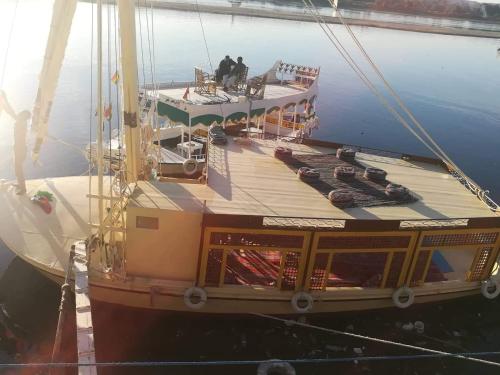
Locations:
(168, 299)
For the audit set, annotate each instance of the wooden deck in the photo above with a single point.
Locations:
(248, 180)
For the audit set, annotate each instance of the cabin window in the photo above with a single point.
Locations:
(146, 222)
(346, 260)
(261, 258)
(357, 269)
(454, 256)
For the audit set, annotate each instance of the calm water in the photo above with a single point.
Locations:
(451, 83)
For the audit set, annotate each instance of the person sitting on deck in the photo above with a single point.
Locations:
(224, 69)
(236, 74)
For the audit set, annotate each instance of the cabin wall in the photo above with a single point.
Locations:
(162, 244)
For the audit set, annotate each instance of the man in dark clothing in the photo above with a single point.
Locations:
(236, 74)
(224, 68)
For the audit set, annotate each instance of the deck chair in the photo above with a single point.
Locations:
(256, 86)
(204, 83)
(241, 81)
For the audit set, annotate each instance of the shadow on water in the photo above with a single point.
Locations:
(125, 334)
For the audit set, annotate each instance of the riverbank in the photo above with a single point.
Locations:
(306, 17)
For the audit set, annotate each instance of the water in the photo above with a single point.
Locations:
(451, 83)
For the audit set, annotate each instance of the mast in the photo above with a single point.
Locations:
(60, 27)
(99, 129)
(126, 14)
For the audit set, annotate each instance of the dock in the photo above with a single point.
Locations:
(305, 16)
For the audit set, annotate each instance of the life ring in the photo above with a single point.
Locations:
(195, 298)
(308, 174)
(282, 153)
(490, 288)
(396, 191)
(375, 174)
(275, 367)
(190, 166)
(341, 198)
(346, 153)
(344, 173)
(302, 302)
(403, 297)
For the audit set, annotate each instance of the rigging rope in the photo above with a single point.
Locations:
(252, 362)
(204, 37)
(377, 340)
(359, 72)
(433, 146)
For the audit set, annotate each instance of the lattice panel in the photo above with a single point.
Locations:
(318, 272)
(250, 267)
(418, 271)
(258, 240)
(457, 239)
(214, 265)
(367, 242)
(395, 270)
(482, 261)
(290, 271)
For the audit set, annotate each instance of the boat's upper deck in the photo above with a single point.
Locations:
(248, 180)
(272, 91)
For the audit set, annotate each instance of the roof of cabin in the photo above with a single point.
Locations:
(248, 180)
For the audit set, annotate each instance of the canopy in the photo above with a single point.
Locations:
(207, 120)
(174, 114)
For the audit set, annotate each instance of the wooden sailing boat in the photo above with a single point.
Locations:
(256, 232)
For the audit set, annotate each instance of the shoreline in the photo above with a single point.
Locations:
(305, 17)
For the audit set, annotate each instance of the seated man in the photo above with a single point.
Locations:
(236, 74)
(224, 69)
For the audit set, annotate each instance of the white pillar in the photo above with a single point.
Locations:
(336, 4)
(280, 120)
(189, 138)
(294, 116)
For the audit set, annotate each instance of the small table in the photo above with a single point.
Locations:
(252, 132)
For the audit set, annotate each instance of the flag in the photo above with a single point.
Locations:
(108, 112)
(116, 77)
(186, 94)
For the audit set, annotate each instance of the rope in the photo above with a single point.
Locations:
(251, 362)
(435, 148)
(9, 40)
(355, 67)
(204, 37)
(464, 356)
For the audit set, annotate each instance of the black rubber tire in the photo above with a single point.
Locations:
(344, 173)
(346, 153)
(341, 198)
(397, 192)
(282, 153)
(308, 174)
(375, 174)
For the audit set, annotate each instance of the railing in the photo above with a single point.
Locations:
(284, 123)
(324, 261)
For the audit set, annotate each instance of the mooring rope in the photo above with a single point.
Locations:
(463, 356)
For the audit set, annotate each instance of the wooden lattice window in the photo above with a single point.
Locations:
(290, 271)
(318, 271)
(366, 242)
(480, 265)
(457, 239)
(257, 239)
